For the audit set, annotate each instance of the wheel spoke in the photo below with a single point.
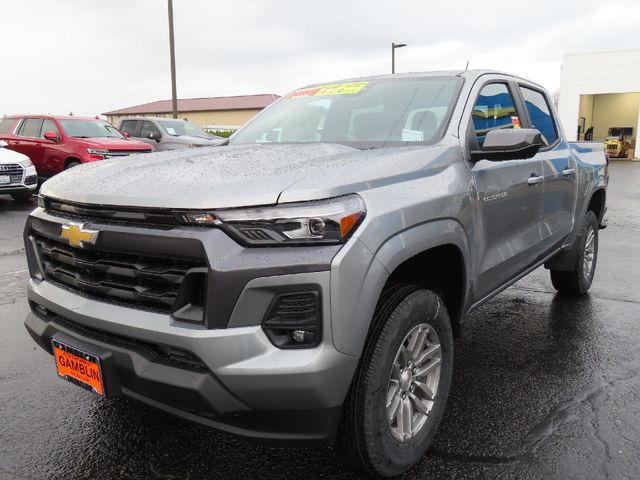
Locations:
(393, 409)
(395, 388)
(417, 348)
(428, 353)
(425, 389)
(407, 417)
(421, 407)
(424, 369)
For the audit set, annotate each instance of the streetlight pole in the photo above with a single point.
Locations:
(393, 54)
(174, 95)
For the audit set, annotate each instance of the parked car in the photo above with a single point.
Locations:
(55, 144)
(305, 283)
(168, 133)
(18, 176)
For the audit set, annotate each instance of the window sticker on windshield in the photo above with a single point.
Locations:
(412, 135)
(515, 121)
(334, 89)
(171, 131)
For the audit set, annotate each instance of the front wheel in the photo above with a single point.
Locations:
(21, 197)
(578, 280)
(399, 393)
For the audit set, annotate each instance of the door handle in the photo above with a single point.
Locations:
(533, 180)
(568, 171)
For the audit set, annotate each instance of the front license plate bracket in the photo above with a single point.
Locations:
(79, 367)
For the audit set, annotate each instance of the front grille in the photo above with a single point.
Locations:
(139, 281)
(14, 171)
(11, 169)
(121, 215)
(124, 153)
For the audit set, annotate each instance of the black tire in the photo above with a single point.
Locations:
(365, 438)
(21, 197)
(72, 163)
(577, 281)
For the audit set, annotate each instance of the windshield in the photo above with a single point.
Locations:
(366, 114)
(89, 129)
(182, 127)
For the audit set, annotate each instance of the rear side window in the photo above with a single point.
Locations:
(132, 127)
(540, 114)
(30, 127)
(5, 124)
(494, 109)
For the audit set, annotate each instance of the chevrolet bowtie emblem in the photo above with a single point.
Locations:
(77, 235)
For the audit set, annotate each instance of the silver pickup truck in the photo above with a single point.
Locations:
(304, 283)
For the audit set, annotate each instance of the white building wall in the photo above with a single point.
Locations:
(595, 73)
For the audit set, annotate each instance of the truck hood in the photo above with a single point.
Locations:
(235, 176)
(112, 143)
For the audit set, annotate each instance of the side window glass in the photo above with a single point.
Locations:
(147, 128)
(130, 127)
(540, 114)
(48, 125)
(494, 109)
(31, 127)
(6, 124)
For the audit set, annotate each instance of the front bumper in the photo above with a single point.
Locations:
(235, 379)
(27, 184)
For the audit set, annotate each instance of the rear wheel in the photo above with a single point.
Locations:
(399, 393)
(578, 280)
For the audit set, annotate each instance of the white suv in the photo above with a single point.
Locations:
(18, 176)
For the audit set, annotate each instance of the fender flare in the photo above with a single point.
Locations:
(351, 319)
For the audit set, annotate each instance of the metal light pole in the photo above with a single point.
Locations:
(393, 54)
(174, 95)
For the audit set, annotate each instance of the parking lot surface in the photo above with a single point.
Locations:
(544, 386)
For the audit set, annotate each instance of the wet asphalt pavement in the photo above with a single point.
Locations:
(544, 387)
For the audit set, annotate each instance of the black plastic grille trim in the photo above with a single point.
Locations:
(139, 216)
(143, 282)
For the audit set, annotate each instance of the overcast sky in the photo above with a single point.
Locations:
(90, 56)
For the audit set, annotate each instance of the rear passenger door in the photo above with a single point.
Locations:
(558, 164)
(507, 195)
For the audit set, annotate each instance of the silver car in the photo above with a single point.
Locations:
(168, 133)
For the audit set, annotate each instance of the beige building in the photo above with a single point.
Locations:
(213, 113)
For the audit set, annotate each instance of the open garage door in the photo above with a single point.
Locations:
(613, 119)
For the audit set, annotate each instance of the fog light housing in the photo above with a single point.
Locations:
(294, 319)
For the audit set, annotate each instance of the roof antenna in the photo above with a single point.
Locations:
(467, 67)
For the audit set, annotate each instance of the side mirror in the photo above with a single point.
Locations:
(154, 136)
(509, 144)
(3, 144)
(53, 136)
(126, 134)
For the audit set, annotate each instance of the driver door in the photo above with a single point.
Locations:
(507, 195)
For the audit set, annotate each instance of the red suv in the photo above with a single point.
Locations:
(56, 143)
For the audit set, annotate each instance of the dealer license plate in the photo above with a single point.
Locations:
(4, 179)
(78, 367)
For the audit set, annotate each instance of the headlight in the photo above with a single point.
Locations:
(318, 222)
(98, 151)
(26, 163)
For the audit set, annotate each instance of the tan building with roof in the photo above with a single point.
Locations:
(213, 113)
